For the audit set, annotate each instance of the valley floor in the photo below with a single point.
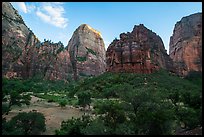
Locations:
(53, 113)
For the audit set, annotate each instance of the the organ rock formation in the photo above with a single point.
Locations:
(87, 52)
(141, 51)
(185, 46)
(24, 56)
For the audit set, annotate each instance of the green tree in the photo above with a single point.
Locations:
(31, 123)
(73, 126)
(14, 92)
(63, 103)
(84, 98)
(97, 127)
(189, 117)
(113, 111)
(153, 114)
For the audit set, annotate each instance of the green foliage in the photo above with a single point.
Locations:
(73, 126)
(124, 103)
(7, 129)
(91, 51)
(81, 59)
(113, 111)
(63, 103)
(31, 123)
(97, 127)
(126, 128)
(35, 84)
(49, 98)
(71, 90)
(5, 108)
(84, 98)
(18, 99)
(60, 49)
(149, 104)
(189, 117)
(14, 93)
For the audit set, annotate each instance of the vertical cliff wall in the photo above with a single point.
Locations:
(141, 51)
(185, 46)
(87, 52)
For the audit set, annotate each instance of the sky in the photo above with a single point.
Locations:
(57, 21)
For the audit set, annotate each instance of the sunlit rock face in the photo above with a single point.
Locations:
(24, 56)
(185, 46)
(87, 52)
(141, 51)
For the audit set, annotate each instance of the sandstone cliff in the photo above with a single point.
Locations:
(23, 55)
(141, 51)
(185, 46)
(87, 52)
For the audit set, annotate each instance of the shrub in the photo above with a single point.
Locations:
(81, 59)
(91, 51)
(97, 127)
(84, 98)
(113, 111)
(14, 92)
(31, 123)
(188, 117)
(73, 126)
(63, 103)
(5, 108)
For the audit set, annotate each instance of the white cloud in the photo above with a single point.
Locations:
(43, 16)
(52, 13)
(30, 8)
(21, 6)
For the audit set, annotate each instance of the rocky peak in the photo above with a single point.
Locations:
(24, 56)
(185, 46)
(141, 51)
(86, 28)
(87, 52)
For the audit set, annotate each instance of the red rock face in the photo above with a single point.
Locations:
(140, 51)
(186, 45)
(52, 61)
(24, 56)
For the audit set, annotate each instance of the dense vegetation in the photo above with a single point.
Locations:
(31, 123)
(158, 103)
(126, 103)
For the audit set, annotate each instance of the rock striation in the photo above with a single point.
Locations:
(141, 51)
(24, 56)
(185, 46)
(87, 52)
